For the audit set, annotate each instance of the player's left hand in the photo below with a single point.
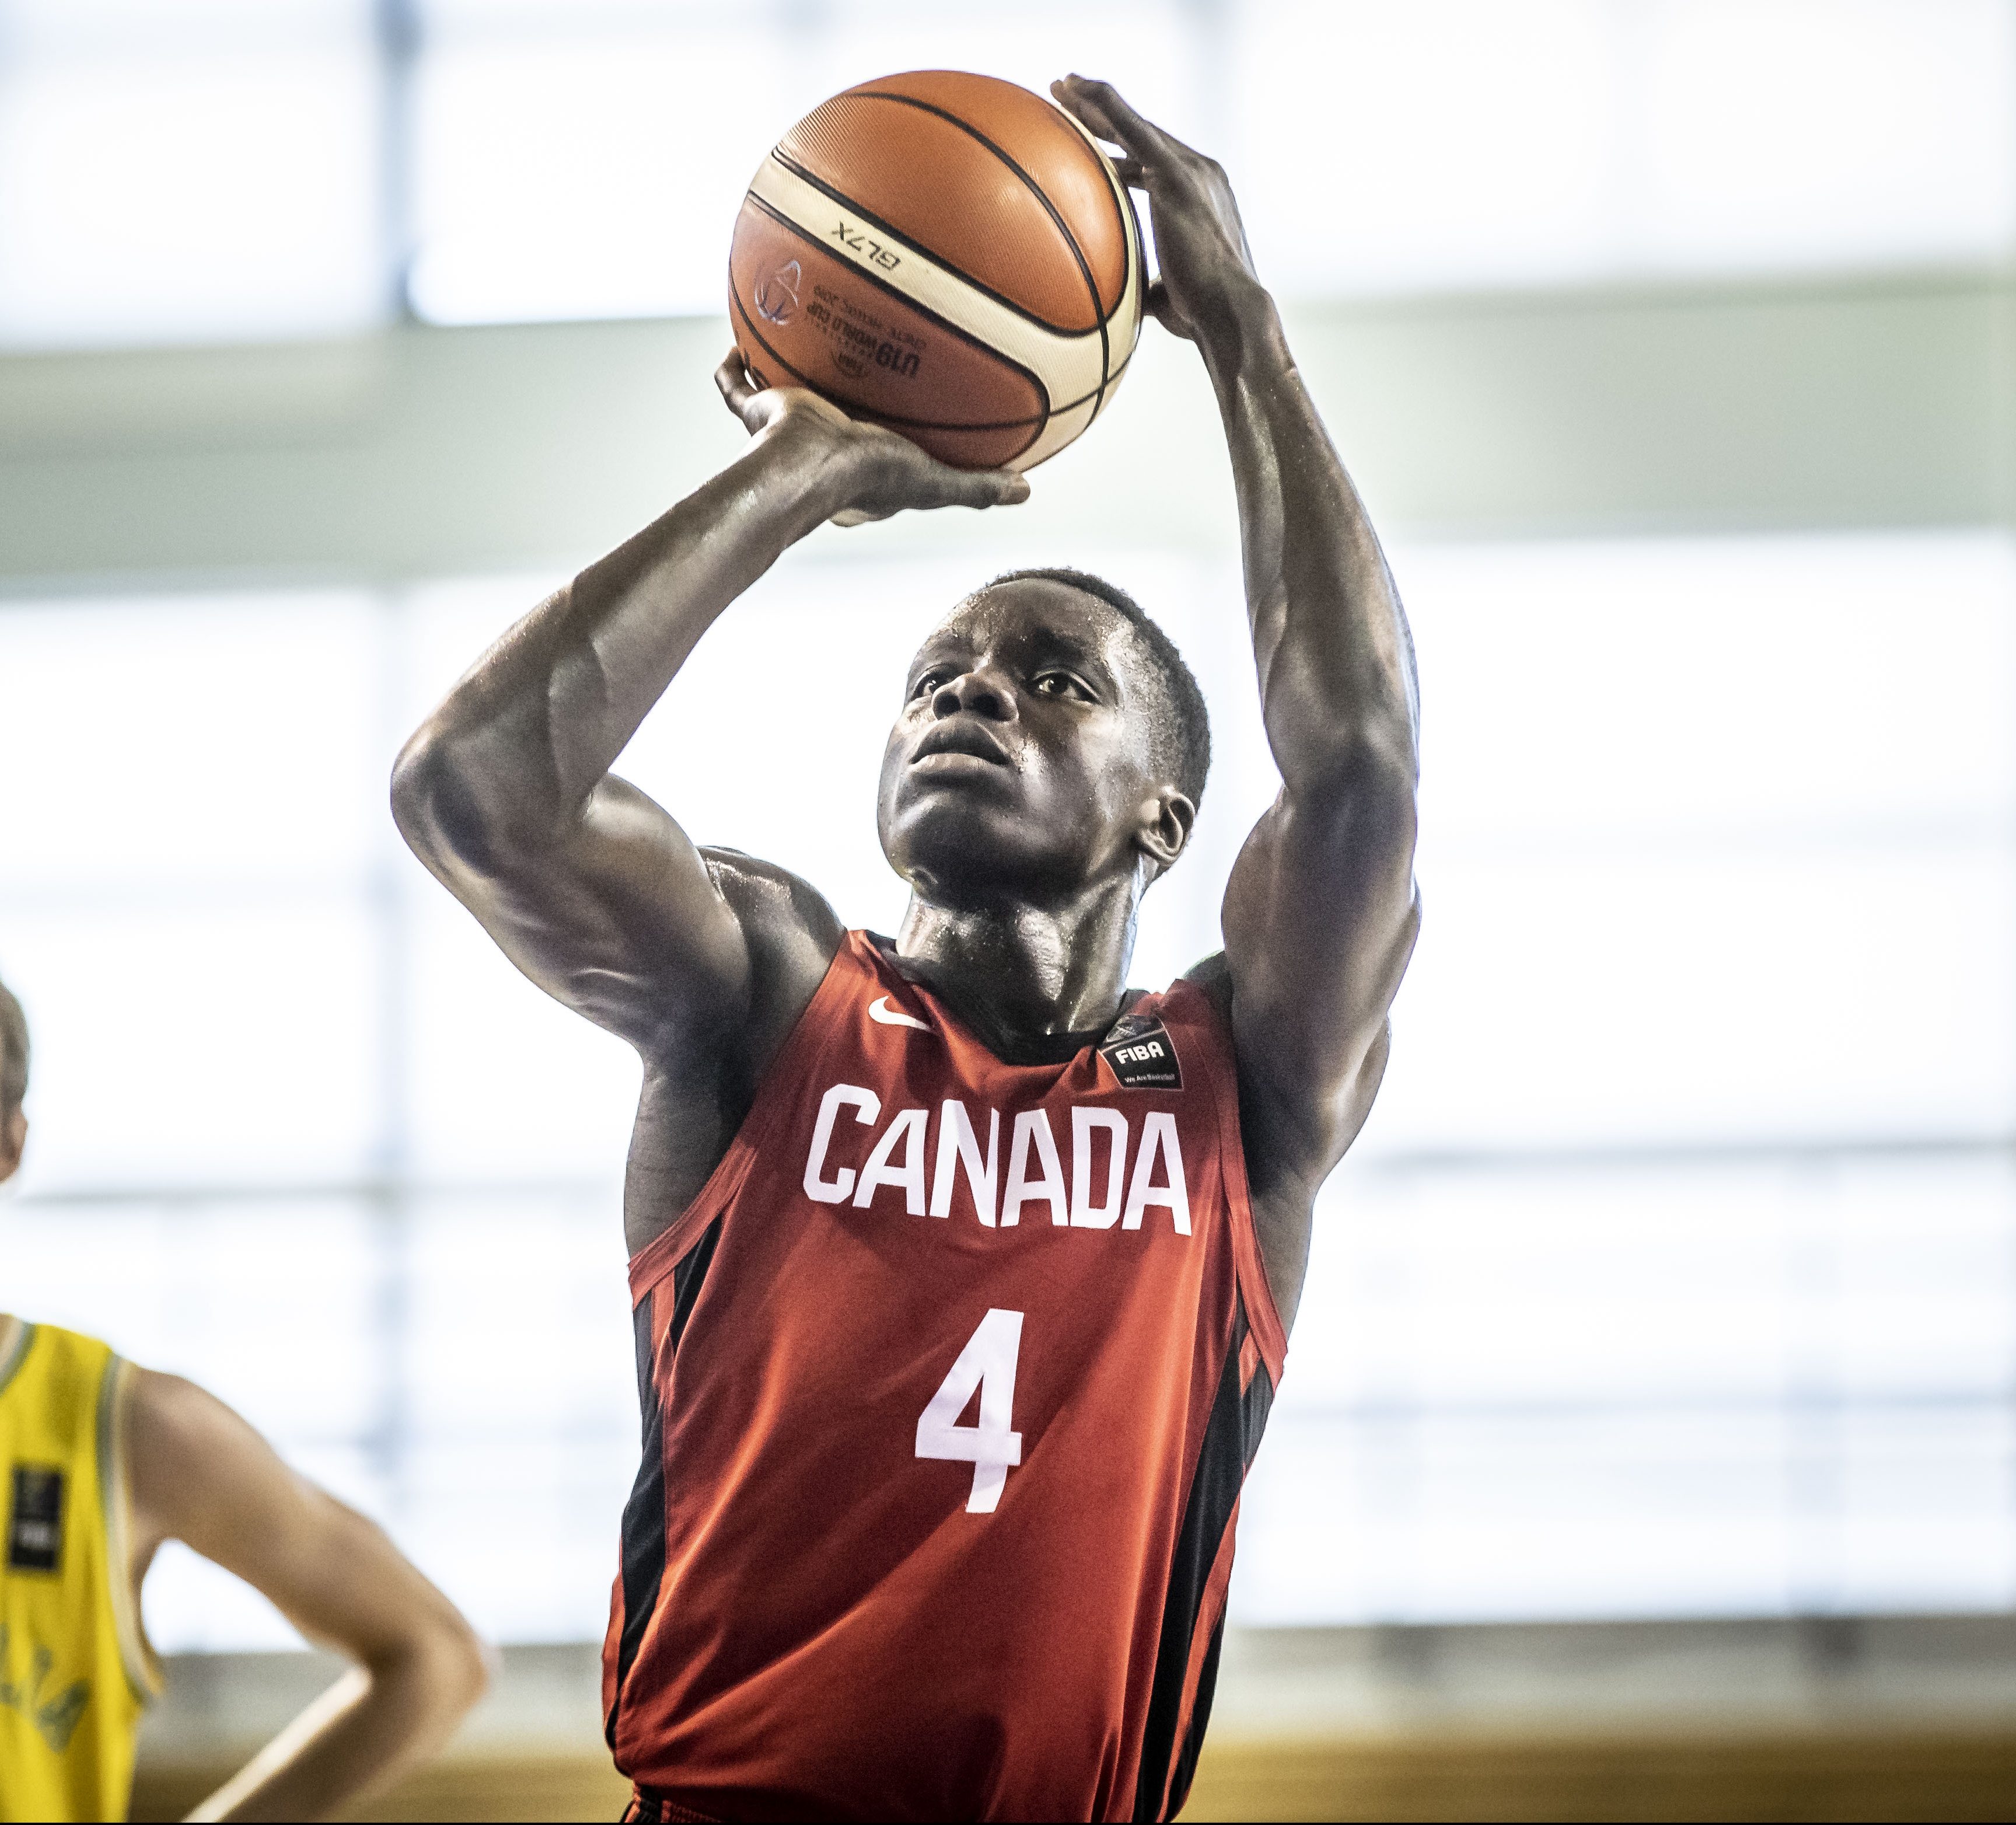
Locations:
(1200, 241)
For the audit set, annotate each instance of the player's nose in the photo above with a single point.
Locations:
(983, 691)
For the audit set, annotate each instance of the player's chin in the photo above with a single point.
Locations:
(965, 847)
(941, 822)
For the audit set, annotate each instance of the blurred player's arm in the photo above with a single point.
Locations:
(1321, 913)
(505, 793)
(197, 1472)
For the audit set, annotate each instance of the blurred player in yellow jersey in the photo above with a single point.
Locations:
(102, 1462)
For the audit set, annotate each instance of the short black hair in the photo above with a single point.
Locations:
(1183, 723)
(13, 1055)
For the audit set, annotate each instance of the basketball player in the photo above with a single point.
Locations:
(963, 1275)
(104, 1461)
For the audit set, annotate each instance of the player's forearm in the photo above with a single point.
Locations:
(1335, 660)
(357, 1738)
(514, 751)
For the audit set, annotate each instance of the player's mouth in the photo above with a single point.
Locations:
(952, 740)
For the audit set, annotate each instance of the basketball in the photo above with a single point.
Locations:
(946, 254)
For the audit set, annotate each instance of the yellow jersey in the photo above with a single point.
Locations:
(75, 1671)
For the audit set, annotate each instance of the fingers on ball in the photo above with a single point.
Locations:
(732, 378)
(1110, 103)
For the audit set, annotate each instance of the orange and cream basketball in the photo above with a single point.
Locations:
(946, 255)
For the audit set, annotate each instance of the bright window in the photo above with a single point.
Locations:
(579, 160)
(247, 169)
(1459, 142)
(180, 170)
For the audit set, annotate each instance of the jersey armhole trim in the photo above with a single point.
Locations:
(136, 1654)
(1223, 1083)
(657, 1257)
(17, 1352)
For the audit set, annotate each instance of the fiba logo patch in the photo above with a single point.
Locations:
(1142, 1055)
(777, 297)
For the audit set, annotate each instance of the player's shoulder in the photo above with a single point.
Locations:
(773, 904)
(1294, 1130)
(791, 931)
(1213, 976)
(170, 1413)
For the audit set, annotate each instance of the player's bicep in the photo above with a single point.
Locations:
(620, 917)
(1320, 916)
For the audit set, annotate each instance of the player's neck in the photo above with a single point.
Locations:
(1029, 973)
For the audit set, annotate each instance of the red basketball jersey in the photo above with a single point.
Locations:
(951, 1377)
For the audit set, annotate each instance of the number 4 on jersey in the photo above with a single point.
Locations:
(988, 1362)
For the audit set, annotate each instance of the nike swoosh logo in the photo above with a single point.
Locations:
(880, 1011)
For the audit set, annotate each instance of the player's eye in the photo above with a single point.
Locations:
(926, 682)
(1060, 685)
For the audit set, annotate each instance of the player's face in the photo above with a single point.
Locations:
(1021, 764)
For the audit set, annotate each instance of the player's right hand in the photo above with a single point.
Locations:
(1207, 267)
(879, 472)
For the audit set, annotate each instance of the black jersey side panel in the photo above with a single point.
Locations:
(643, 1558)
(1232, 1435)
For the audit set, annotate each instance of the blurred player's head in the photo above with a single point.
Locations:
(1051, 738)
(14, 1083)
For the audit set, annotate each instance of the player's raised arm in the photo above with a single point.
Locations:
(1321, 913)
(505, 793)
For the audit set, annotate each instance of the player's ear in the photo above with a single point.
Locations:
(13, 1138)
(1167, 820)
